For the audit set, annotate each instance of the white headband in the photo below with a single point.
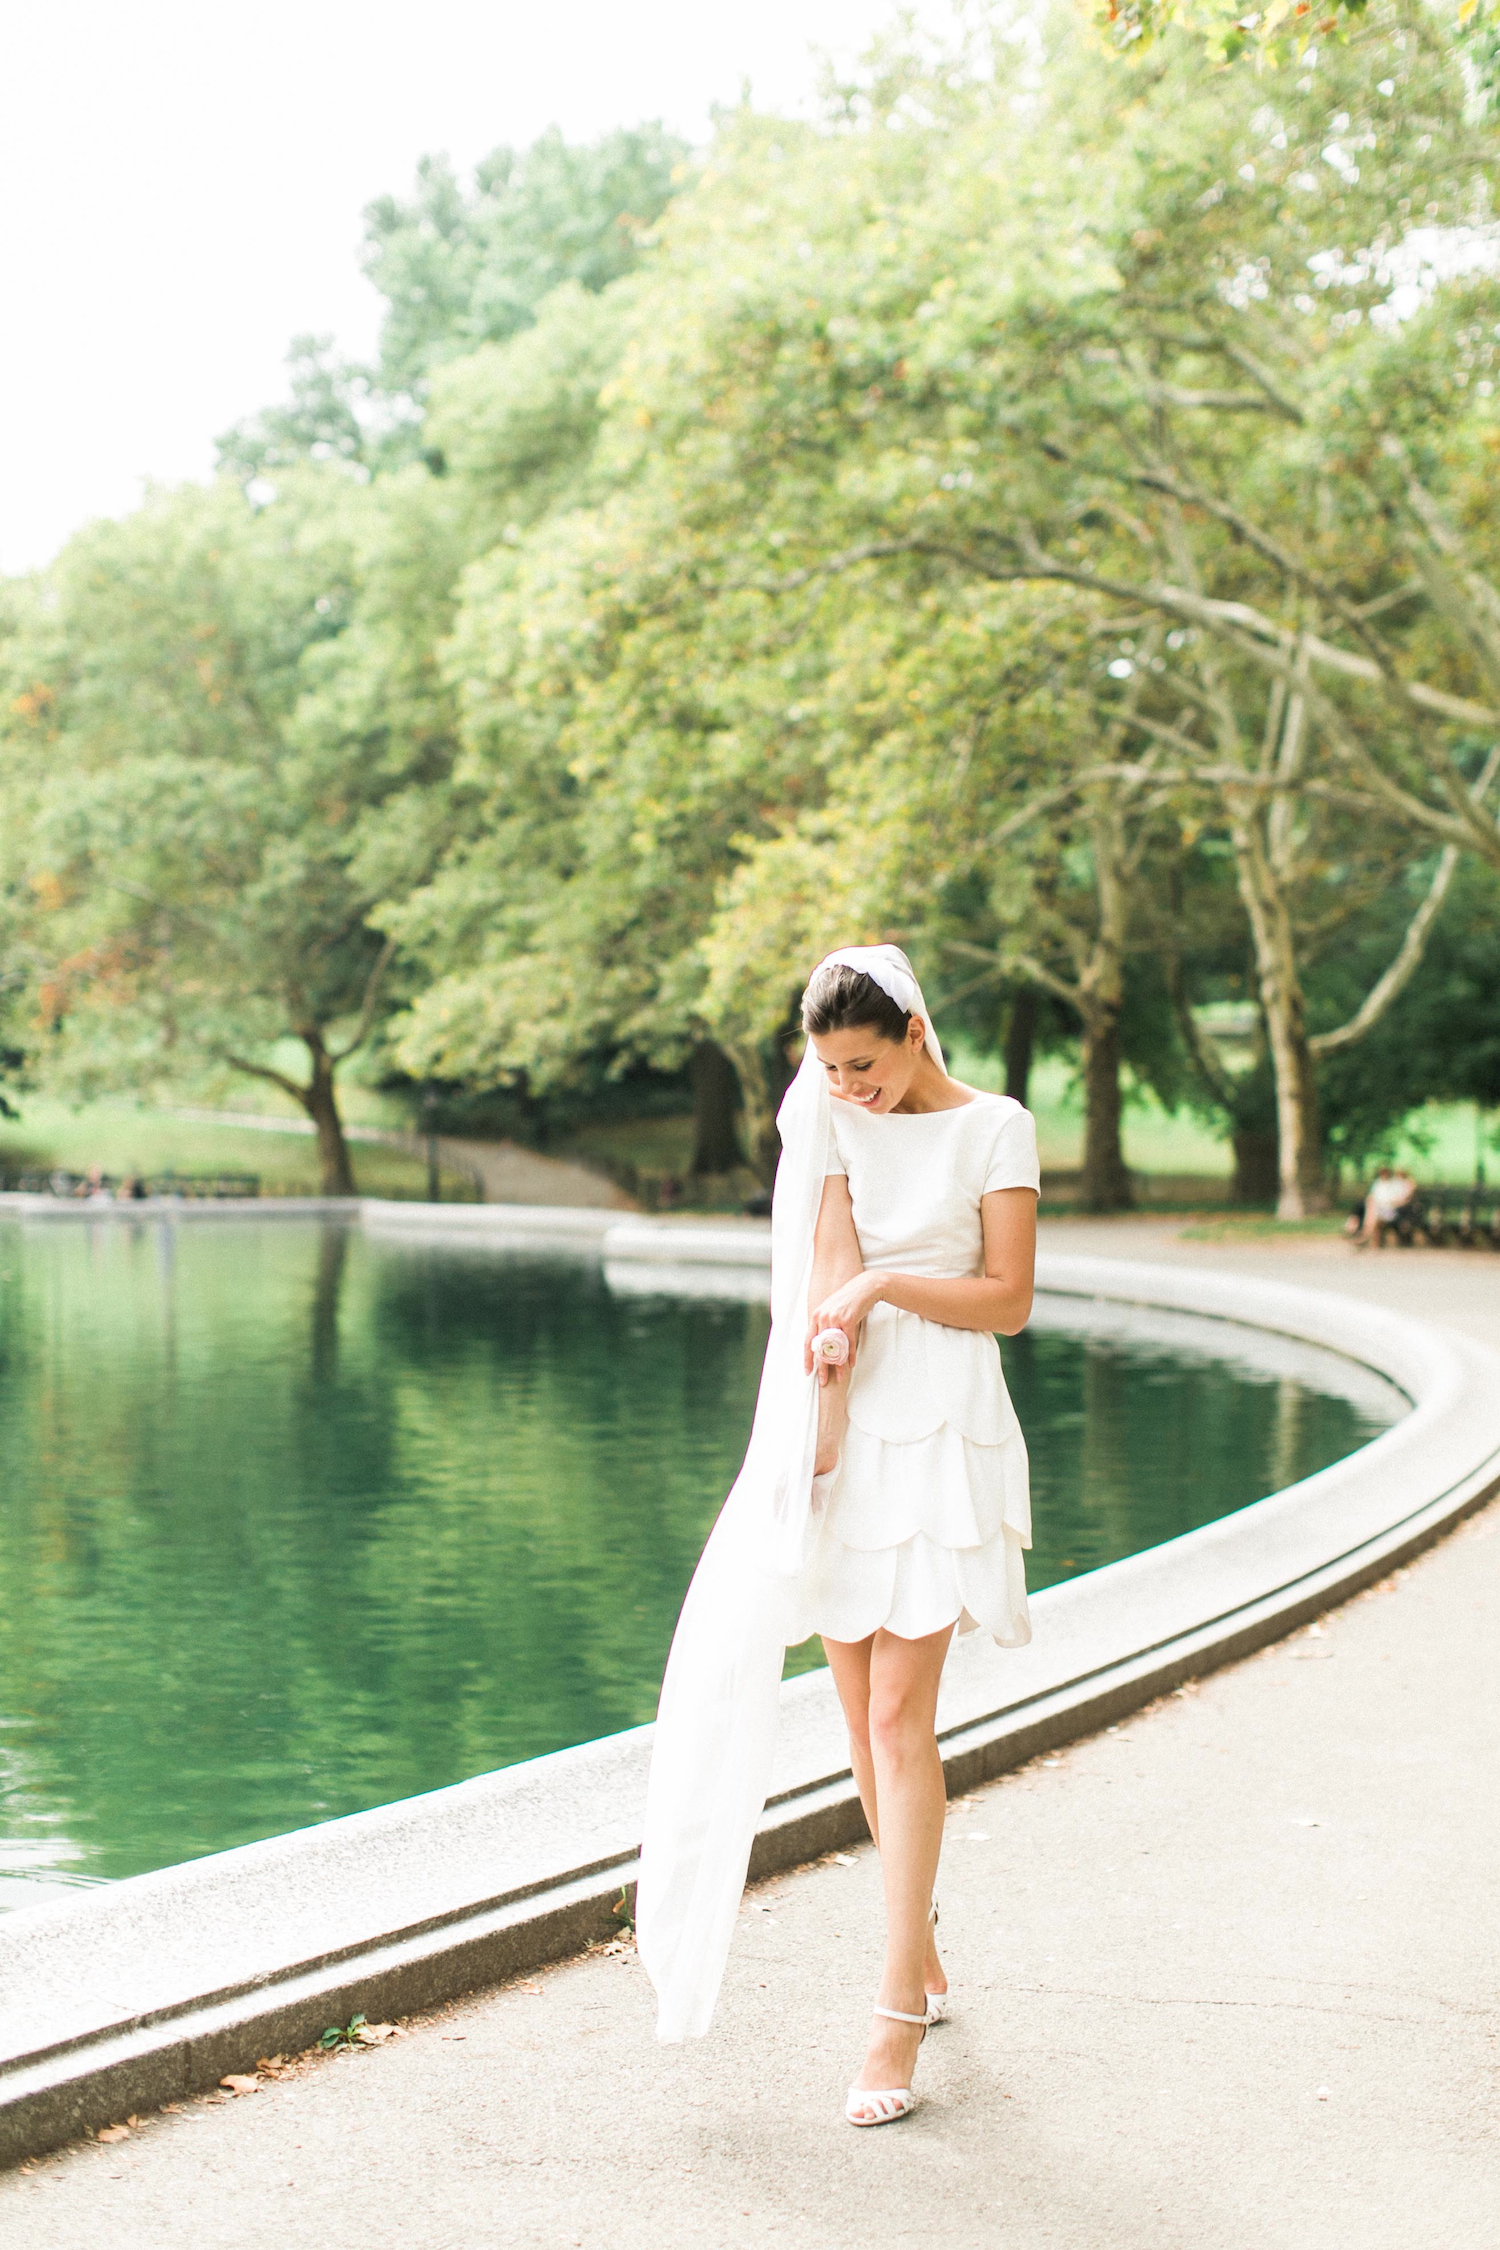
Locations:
(885, 965)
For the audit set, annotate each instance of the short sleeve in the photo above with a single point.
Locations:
(834, 1167)
(1013, 1159)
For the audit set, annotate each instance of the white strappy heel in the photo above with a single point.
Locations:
(889, 2102)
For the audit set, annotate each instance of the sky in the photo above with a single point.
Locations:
(183, 186)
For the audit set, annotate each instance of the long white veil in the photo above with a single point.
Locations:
(715, 1736)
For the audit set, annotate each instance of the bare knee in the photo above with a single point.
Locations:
(898, 1728)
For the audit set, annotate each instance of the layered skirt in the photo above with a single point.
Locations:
(927, 1517)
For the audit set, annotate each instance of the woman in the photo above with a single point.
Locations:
(882, 1503)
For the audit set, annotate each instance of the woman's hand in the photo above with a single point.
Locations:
(844, 1308)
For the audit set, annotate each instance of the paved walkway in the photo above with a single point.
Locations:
(1227, 1978)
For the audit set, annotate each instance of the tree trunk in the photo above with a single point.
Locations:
(715, 1100)
(765, 1071)
(1303, 1189)
(1299, 1128)
(1255, 1167)
(1020, 1038)
(1106, 1182)
(320, 1101)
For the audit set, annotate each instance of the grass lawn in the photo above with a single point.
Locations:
(122, 1137)
(1255, 1226)
(1180, 1146)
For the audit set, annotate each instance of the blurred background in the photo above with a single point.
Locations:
(521, 532)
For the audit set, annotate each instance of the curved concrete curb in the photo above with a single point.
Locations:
(106, 1210)
(150, 1989)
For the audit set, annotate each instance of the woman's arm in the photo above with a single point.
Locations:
(999, 1300)
(836, 1262)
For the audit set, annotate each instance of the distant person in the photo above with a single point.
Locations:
(1390, 1192)
(132, 1189)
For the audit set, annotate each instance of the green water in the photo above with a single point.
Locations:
(294, 1521)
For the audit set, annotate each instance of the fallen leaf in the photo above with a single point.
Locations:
(842, 1859)
(132, 2120)
(375, 2034)
(532, 1991)
(114, 2133)
(240, 2082)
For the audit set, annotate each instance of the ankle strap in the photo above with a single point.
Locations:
(899, 2015)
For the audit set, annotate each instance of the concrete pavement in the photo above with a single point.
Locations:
(1226, 1978)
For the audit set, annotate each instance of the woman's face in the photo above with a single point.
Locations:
(867, 1069)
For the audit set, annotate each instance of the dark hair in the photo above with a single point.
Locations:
(843, 999)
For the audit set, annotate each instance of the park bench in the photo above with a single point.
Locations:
(197, 1186)
(1439, 1215)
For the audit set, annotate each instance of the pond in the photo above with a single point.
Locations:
(296, 1520)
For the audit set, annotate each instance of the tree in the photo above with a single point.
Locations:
(1105, 363)
(215, 815)
(460, 269)
(612, 762)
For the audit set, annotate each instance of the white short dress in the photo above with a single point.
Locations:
(928, 1515)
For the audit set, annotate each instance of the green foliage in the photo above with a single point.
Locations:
(462, 268)
(219, 720)
(325, 418)
(343, 2035)
(1286, 34)
(516, 423)
(1441, 1040)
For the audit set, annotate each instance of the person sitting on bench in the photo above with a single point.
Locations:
(1390, 1192)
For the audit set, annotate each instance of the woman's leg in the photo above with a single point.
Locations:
(849, 1662)
(893, 1738)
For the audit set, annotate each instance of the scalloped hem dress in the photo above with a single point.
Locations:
(927, 1516)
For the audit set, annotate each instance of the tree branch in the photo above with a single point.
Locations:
(1008, 963)
(367, 1011)
(262, 1070)
(1224, 402)
(1401, 970)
